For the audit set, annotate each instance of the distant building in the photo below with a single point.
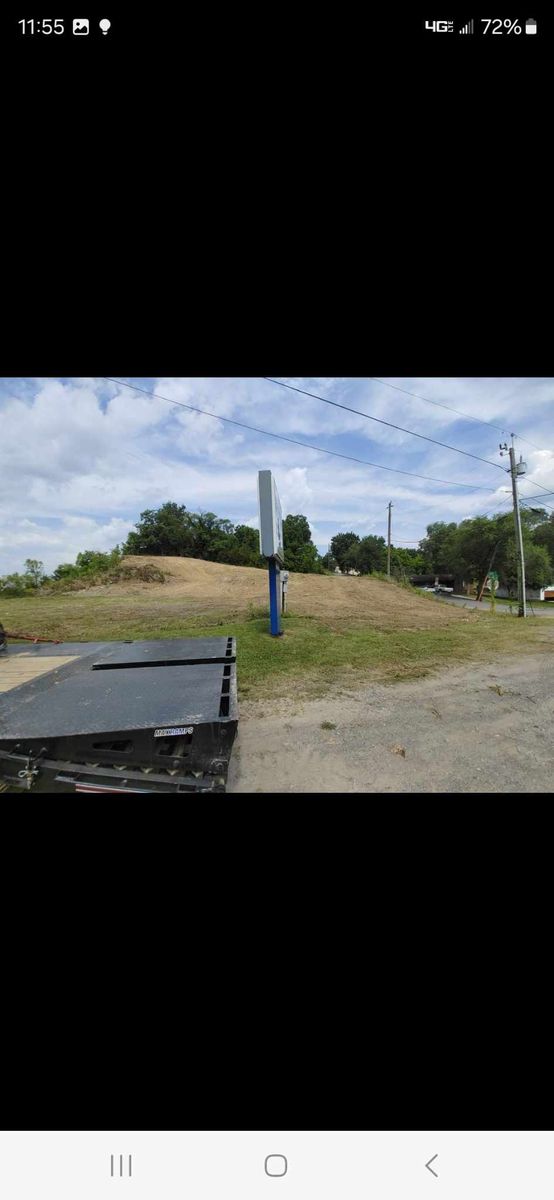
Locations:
(544, 593)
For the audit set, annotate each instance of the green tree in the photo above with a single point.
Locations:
(166, 530)
(16, 585)
(439, 547)
(65, 571)
(34, 570)
(538, 567)
(93, 562)
(533, 518)
(246, 551)
(406, 561)
(476, 541)
(341, 544)
(543, 535)
(481, 541)
(88, 563)
(369, 555)
(306, 560)
(212, 535)
(246, 536)
(300, 552)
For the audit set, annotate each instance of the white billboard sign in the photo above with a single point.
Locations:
(271, 519)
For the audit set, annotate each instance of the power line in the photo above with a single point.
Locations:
(541, 486)
(148, 457)
(368, 417)
(507, 499)
(450, 409)
(525, 500)
(305, 445)
(437, 403)
(496, 506)
(534, 483)
(379, 421)
(528, 443)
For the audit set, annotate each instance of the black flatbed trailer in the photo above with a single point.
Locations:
(156, 716)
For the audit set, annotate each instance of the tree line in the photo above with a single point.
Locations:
(350, 552)
(470, 549)
(467, 550)
(172, 529)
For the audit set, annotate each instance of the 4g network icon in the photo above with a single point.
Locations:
(440, 26)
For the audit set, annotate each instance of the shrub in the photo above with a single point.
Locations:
(146, 572)
(17, 585)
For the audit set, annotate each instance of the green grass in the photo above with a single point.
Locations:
(310, 657)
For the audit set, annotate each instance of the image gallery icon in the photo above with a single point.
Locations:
(81, 25)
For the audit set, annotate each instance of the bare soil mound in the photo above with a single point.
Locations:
(208, 587)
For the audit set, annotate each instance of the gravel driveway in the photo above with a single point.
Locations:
(468, 729)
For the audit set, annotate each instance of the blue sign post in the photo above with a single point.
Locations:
(274, 598)
(271, 545)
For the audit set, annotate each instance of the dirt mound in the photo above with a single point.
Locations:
(208, 587)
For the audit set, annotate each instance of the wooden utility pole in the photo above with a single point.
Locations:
(515, 470)
(388, 541)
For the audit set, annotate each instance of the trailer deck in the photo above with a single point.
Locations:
(147, 716)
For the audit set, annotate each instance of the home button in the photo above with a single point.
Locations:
(276, 1164)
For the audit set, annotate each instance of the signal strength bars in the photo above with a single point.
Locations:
(469, 28)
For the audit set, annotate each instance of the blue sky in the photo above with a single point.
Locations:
(80, 458)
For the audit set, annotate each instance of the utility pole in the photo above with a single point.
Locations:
(388, 541)
(515, 470)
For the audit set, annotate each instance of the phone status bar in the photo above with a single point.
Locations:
(484, 26)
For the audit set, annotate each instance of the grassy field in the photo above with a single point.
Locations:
(314, 653)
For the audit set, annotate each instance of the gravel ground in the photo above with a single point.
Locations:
(469, 729)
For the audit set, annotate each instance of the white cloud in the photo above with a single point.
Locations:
(81, 458)
(28, 539)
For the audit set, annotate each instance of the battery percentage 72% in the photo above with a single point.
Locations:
(500, 26)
